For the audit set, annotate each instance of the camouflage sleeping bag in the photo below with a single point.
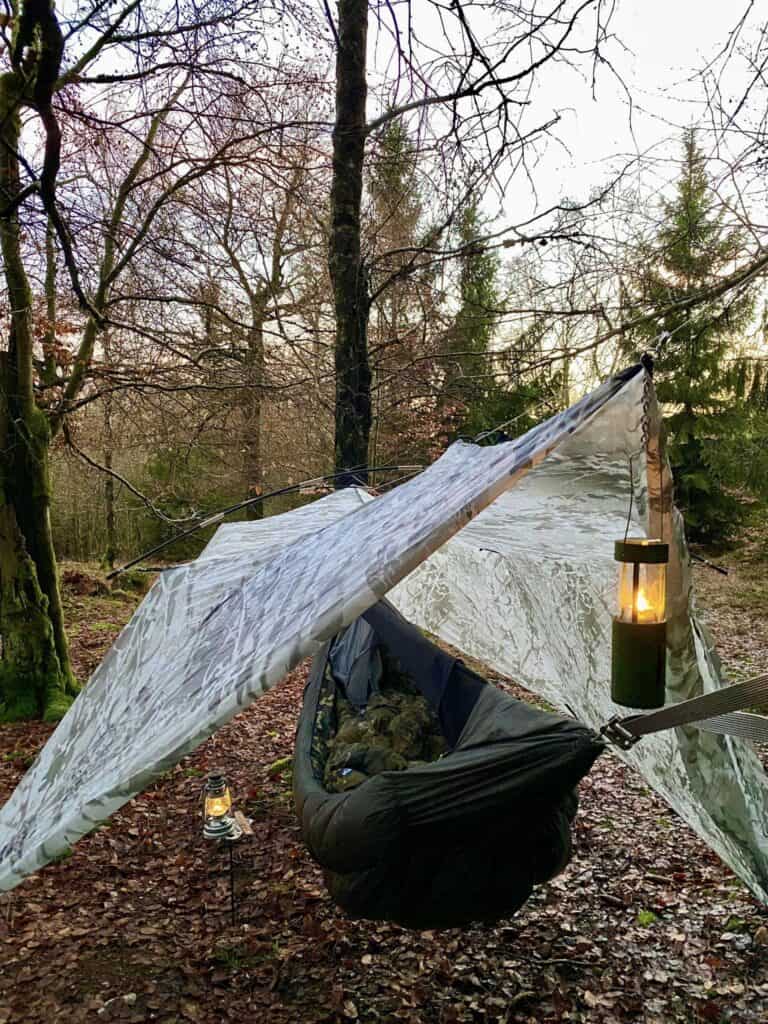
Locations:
(430, 797)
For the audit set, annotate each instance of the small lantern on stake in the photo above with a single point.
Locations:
(638, 670)
(218, 822)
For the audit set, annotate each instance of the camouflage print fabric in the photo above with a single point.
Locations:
(527, 588)
(325, 724)
(397, 730)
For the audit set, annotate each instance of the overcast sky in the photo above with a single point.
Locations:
(659, 49)
(665, 44)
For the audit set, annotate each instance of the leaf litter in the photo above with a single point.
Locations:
(646, 925)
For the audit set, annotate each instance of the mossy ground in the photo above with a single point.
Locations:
(96, 611)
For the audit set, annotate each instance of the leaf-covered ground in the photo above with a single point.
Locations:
(646, 925)
(735, 606)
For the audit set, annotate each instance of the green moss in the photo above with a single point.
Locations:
(57, 705)
(645, 918)
(18, 705)
(33, 683)
(135, 580)
(282, 764)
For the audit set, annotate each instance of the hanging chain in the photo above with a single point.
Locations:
(645, 422)
(645, 431)
(642, 451)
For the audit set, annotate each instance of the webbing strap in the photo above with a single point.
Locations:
(712, 712)
(738, 723)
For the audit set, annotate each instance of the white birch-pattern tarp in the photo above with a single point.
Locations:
(527, 588)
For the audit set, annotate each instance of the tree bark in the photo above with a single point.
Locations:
(35, 675)
(110, 546)
(252, 462)
(348, 272)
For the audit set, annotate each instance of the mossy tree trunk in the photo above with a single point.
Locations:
(36, 679)
(347, 268)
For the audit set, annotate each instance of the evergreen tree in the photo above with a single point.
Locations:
(466, 360)
(482, 385)
(394, 188)
(706, 421)
(467, 393)
(405, 322)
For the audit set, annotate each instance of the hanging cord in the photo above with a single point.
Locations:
(217, 517)
(645, 433)
(388, 486)
(507, 423)
(398, 480)
(646, 360)
(710, 565)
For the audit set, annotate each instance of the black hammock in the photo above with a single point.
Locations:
(464, 838)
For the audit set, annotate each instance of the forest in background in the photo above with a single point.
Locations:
(246, 245)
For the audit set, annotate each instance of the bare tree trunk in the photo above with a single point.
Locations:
(347, 269)
(110, 547)
(35, 675)
(252, 463)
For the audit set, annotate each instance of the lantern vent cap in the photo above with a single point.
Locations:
(641, 550)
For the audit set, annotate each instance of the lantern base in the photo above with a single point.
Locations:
(221, 827)
(638, 664)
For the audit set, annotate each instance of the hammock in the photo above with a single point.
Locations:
(463, 839)
(504, 552)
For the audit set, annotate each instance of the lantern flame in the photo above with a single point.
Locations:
(219, 805)
(644, 610)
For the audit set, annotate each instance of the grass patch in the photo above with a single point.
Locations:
(21, 757)
(645, 918)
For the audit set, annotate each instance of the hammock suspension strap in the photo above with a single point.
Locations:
(718, 712)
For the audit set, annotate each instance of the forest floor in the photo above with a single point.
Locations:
(646, 926)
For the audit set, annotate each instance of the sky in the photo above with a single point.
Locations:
(658, 49)
(667, 42)
(660, 45)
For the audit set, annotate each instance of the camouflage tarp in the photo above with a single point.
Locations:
(527, 588)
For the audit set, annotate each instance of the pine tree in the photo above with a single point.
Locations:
(706, 422)
(404, 321)
(482, 383)
(467, 363)
(467, 386)
(394, 188)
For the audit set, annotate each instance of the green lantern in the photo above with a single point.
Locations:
(638, 669)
